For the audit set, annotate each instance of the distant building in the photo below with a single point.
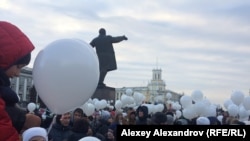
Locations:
(22, 85)
(155, 91)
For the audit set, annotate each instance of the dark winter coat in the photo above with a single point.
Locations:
(144, 119)
(59, 132)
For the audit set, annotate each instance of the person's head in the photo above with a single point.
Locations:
(32, 120)
(159, 118)
(142, 112)
(77, 114)
(35, 134)
(63, 119)
(81, 125)
(102, 31)
(15, 49)
(132, 115)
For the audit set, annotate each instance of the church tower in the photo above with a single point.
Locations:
(156, 85)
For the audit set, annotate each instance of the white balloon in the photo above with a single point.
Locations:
(227, 103)
(176, 106)
(189, 112)
(88, 109)
(66, 74)
(246, 103)
(185, 101)
(98, 105)
(138, 97)
(178, 113)
(243, 115)
(233, 110)
(197, 95)
(169, 95)
(159, 107)
(31, 107)
(129, 92)
(118, 104)
(220, 117)
(237, 97)
(209, 111)
(44, 116)
(199, 107)
(104, 103)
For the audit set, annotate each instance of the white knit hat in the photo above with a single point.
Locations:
(89, 138)
(202, 121)
(34, 131)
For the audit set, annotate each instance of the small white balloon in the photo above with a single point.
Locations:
(197, 95)
(186, 101)
(227, 103)
(44, 116)
(88, 109)
(31, 107)
(246, 103)
(178, 113)
(129, 92)
(118, 104)
(233, 110)
(168, 95)
(237, 97)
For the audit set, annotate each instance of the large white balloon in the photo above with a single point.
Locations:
(66, 74)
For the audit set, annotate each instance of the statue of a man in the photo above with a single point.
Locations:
(105, 52)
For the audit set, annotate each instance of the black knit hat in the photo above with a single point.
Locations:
(24, 60)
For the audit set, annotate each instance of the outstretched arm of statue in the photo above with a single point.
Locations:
(119, 39)
(125, 38)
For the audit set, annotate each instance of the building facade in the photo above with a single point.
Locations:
(155, 91)
(22, 85)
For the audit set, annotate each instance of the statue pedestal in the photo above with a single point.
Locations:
(107, 93)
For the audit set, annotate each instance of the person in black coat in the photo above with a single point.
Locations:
(60, 130)
(79, 130)
(142, 115)
(105, 52)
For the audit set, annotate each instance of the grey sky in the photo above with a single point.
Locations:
(198, 44)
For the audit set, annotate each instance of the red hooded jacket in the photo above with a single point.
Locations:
(14, 45)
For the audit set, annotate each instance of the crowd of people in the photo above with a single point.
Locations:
(103, 123)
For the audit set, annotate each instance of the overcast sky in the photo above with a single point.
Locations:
(198, 44)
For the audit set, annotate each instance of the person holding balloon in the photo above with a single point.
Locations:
(15, 53)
